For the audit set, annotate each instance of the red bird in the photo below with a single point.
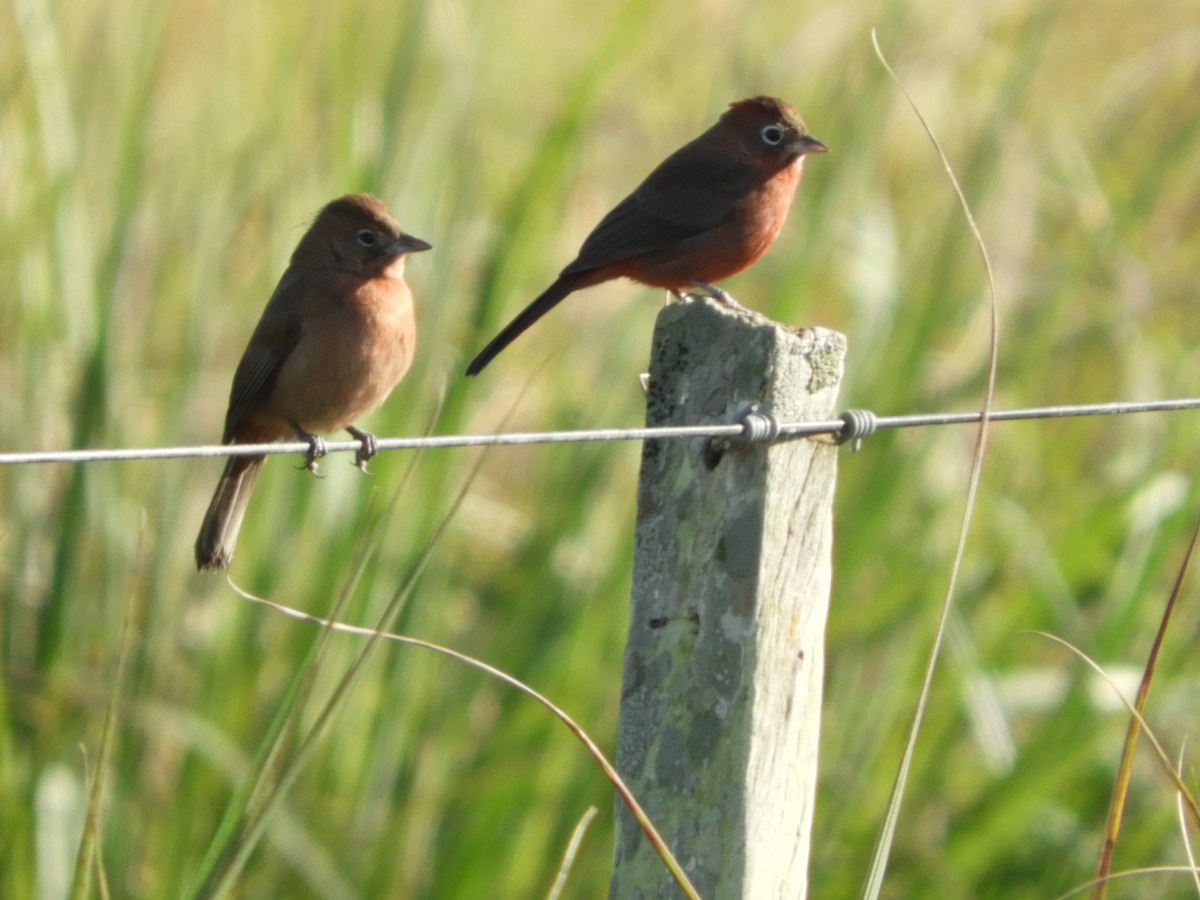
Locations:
(336, 336)
(709, 210)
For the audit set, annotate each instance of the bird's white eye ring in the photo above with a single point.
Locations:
(367, 237)
(772, 135)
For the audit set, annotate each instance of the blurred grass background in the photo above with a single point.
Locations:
(158, 161)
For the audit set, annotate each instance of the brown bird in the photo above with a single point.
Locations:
(336, 336)
(708, 211)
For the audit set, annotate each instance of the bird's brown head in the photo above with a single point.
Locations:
(357, 233)
(767, 132)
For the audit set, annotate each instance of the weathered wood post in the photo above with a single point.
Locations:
(721, 699)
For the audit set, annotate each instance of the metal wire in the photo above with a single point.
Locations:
(852, 425)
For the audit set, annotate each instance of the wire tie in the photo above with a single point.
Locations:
(856, 425)
(757, 428)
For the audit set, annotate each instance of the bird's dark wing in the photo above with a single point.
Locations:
(692, 191)
(273, 340)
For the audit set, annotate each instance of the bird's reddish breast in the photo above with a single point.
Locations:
(756, 217)
(352, 355)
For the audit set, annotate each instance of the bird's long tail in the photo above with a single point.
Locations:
(548, 299)
(218, 534)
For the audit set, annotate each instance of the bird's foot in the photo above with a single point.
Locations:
(719, 294)
(316, 448)
(370, 446)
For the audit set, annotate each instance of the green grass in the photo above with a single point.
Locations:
(159, 161)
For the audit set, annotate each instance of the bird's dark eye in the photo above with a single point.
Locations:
(772, 135)
(367, 237)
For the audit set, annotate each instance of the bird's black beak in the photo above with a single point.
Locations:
(408, 243)
(807, 144)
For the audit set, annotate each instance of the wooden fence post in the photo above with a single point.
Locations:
(721, 699)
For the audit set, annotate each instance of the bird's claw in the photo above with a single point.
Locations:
(316, 449)
(370, 446)
(721, 295)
